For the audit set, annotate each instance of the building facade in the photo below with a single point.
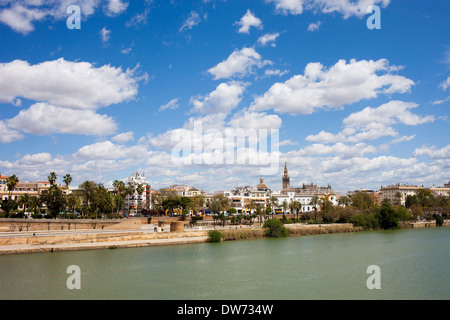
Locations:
(137, 201)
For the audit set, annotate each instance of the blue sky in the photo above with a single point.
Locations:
(353, 107)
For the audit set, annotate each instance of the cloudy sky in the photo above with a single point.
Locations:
(141, 83)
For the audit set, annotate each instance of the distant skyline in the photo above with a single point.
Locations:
(353, 107)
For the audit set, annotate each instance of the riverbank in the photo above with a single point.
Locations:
(53, 241)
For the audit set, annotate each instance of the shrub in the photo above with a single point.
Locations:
(439, 220)
(388, 217)
(366, 221)
(214, 236)
(275, 229)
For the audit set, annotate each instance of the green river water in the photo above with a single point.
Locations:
(414, 264)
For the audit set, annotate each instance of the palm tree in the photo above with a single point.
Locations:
(129, 192)
(72, 202)
(88, 188)
(67, 180)
(24, 201)
(314, 202)
(52, 178)
(285, 205)
(35, 203)
(11, 184)
(120, 188)
(140, 190)
(297, 206)
(273, 203)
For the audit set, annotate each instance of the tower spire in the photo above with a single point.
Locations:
(286, 181)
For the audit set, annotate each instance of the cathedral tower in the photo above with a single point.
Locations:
(286, 180)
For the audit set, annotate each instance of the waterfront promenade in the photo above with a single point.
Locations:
(145, 235)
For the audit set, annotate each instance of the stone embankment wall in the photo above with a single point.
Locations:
(96, 238)
(18, 225)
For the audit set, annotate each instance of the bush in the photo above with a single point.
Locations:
(366, 221)
(214, 236)
(439, 220)
(275, 229)
(388, 217)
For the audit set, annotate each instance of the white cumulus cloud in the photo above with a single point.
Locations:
(342, 84)
(247, 21)
(240, 62)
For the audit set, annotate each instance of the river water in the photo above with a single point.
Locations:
(413, 264)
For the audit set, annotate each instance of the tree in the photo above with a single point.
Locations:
(314, 202)
(410, 201)
(120, 188)
(73, 202)
(36, 203)
(104, 200)
(285, 206)
(24, 201)
(344, 201)
(52, 178)
(10, 204)
(275, 228)
(140, 189)
(197, 203)
(11, 184)
(67, 180)
(88, 188)
(219, 204)
(387, 217)
(54, 199)
(398, 198)
(297, 206)
(425, 198)
(273, 203)
(362, 200)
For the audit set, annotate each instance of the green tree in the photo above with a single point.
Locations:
(197, 203)
(88, 190)
(411, 200)
(120, 189)
(297, 207)
(344, 201)
(315, 200)
(67, 180)
(73, 202)
(273, 203)
(275, 228)
(24, 201)
(11, 184)
(362, 200)
(140, 189)
(425, 198)
(388, 217)
(398, 198)
(10, 204)
(54, 199)
(285, 206)
(52, 178)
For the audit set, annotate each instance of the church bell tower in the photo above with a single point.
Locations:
(285, 179)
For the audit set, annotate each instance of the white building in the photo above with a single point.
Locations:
(246, 199)
(137, 201)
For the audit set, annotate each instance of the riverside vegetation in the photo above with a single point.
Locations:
(93, 201)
